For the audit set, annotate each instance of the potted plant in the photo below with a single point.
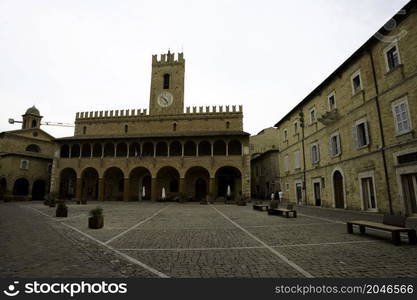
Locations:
(62, 210)
(96, 219)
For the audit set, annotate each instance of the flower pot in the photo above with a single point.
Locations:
(61, 212)
(96, 222)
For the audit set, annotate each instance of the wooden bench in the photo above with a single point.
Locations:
(283, 211)
(391, 223)
(261, 207)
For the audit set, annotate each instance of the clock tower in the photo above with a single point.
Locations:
(167, 85)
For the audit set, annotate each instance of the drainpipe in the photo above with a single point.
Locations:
(301, 114)
(381, 131)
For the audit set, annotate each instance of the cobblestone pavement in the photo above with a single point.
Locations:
(192, 240)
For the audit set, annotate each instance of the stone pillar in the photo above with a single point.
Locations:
(126, 190)
(100, 189)
(212, 187)
(182, 186)
(78, 189)
(154, 189)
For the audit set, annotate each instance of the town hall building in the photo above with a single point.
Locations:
(166, 150)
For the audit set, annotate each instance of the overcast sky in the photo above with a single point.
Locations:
(86, 55)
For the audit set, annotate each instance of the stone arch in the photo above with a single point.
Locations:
(113, 184)
(109, 150)
(148, 149)
(3, 187)
(190, 149)
(235, 147)
(228, 176)
(97, 150)
(140, 179)
(134, 150)
(85, 150)
(64, 153)
(219, 148)
(161, 149)
(197, 180)
(204, 148)
(21, 187)
(121, 150)
(168, 178)
(75, 151)
(89, 184)
(338, 188)
(33, 148)
(39, 189)
(67, 183)
(175, 149)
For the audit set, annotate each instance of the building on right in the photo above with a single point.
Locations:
(351, 143)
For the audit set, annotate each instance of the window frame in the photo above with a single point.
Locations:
(22, 161)
(355, 133)
(286, 163)
(297, 160)
(352, 77)
(410, 125)
(314, 162)
(339, 145)
(285, 133)
(332, 94)
(386, 50)
(312, 110)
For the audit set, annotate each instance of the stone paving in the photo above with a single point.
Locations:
(148, 239)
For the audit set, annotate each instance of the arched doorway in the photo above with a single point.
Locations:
(196, 183)
(67, 184)
(339, 195)
(140, 184)
(228, 177)
(21, 187)
(38, 190)
(200, 189)
(113, 184)
(3, 188)
(89, 184)
(168, 178)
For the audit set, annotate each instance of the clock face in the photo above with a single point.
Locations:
(165, 99)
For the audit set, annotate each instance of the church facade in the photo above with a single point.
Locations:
(167, 151)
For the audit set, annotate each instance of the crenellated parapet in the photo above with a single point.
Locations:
(123, 113)
(221, 111)
(169, 58)
(226, 109)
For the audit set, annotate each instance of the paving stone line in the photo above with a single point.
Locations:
(121, 254)
(137, 225)
(277, 253)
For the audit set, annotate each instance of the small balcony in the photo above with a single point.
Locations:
(329, 117)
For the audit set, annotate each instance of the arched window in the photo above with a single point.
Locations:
(204, 148)
(161, 149)
(109, 150)
(175, 149)
(34, 123)
(174, 127)
(147, 149)
(190, 149)
(227, 125)
(166, 81)
(86, 150)
(235, 148)
(126, 128)
(121, 150)
(33, 148)
(219, 148)
(75, 151)
(97, 150)
(64, 151)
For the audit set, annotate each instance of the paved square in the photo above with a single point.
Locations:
(146, 239)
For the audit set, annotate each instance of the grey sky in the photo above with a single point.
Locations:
(85, 55)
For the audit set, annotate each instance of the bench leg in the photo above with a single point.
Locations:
(295, 214)
(287, 214)
(412, 237)
(361, 229)
(349, 228)
(396, 239)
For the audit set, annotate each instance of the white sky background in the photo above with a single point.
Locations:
(88, 55)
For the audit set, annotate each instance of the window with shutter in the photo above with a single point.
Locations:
(401, 116)
(297, 163)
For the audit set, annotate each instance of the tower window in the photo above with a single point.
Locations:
(126, 128)
(174, 127)
(227, 124)
(34, 123)
(84, 130)
(166, 81)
